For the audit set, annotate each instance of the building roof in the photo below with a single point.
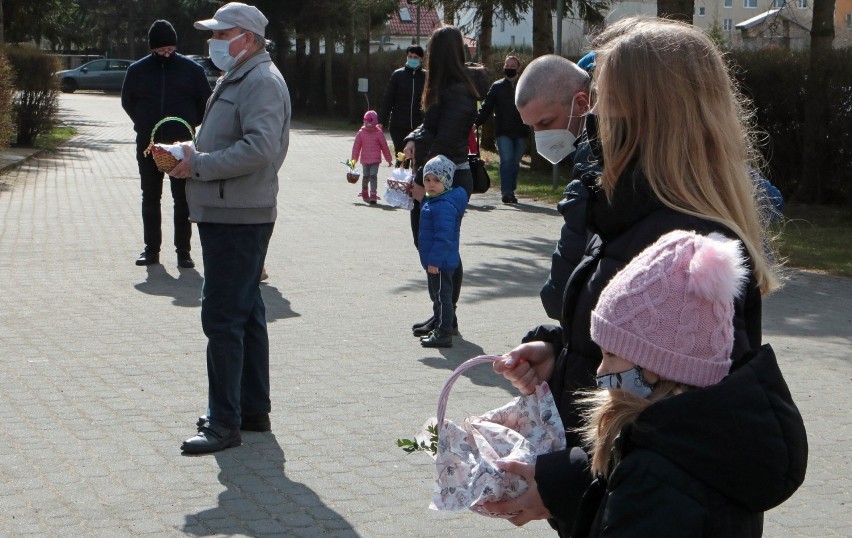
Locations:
(767, 16)
(398, 27)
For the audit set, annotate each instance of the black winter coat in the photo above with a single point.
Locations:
(401, 102)
(156, 87)
(500, 101)
(574, 235)
(618, 231)
(446, 127)
(704, 463)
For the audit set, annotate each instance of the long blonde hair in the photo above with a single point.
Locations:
(665, 96)
(607, 412)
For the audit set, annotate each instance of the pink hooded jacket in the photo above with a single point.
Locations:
(370, 144)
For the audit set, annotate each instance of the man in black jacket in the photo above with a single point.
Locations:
(509, 129)
(159, 85)
(401, 103)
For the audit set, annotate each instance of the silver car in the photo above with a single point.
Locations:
(106, 74)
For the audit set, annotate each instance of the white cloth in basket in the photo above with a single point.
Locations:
(465, 472)
(396, 193)
(176, 149)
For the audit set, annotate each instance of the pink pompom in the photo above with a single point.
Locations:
(717, 271)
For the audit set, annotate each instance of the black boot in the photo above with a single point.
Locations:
(437, 338)
(211, 438)
(148, 257)
(423, 329)
(184, 260)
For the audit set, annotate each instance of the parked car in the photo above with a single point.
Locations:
(210, 71)
(105, 74)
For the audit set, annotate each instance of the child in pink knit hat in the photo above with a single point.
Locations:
(681, 443)
(370, 145)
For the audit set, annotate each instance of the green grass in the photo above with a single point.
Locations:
(54, 137)
(532, 184)
(811, 237)
(816, 238)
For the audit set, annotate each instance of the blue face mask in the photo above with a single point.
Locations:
(413, 63)
(630, 380)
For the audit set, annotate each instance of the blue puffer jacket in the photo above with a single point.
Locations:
(440, 225)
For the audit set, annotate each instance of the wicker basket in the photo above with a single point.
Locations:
(353, 177)
(164, 160)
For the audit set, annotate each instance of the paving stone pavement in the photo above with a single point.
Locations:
(102, 369)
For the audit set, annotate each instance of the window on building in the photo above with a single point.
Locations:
(751, 4)
(701, 11)
(778, 3)
(728, 25)
(849, 21)
(404, 15)
(503, 25)
(512, 41)
(802, 4)
(729, 3)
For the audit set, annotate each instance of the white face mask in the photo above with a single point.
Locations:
(556, 144)
(220, 55)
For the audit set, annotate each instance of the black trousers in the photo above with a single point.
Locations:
(398, 135)
(152, 192)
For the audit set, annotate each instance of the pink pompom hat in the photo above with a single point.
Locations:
(671, 309)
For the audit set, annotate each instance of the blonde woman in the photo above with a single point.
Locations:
(672, 136)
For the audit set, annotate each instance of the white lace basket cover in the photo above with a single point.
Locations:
(465, 472)
(396, 194)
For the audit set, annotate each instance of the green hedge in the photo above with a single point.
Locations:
(36, 92)
(775, 80)
(6, 92)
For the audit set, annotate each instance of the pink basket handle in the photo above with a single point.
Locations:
(445, 392)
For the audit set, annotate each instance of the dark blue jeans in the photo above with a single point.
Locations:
(233, 317)
(510, 150)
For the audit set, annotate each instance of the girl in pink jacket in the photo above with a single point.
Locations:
(370, 145)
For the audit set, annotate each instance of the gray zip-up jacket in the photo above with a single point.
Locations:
(241, 146)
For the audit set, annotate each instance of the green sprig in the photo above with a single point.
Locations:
(410, 446)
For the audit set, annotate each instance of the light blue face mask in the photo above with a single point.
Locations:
(630, 380)
(413, 63)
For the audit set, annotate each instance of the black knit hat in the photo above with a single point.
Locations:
(162, 34)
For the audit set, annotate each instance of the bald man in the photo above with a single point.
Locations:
(553, 98)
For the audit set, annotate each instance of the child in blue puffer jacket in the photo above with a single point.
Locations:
(440, 224)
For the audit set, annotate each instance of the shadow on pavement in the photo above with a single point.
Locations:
(186, 291)
(260, 500)
(461, 351)
(517, 276)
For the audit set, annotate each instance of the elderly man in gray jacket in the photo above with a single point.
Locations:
(231, 192)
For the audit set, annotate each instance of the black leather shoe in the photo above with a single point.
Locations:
(437, 338)
(251, 422)
(211, 438)
(148, 258)
(184, 260)
(425, 329)
(423, 323)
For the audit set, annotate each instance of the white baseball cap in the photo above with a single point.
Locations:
(235, 14)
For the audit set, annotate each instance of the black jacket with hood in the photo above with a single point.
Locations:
(704, 463)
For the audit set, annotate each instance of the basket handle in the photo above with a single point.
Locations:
(445, 392)
(162, 121)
